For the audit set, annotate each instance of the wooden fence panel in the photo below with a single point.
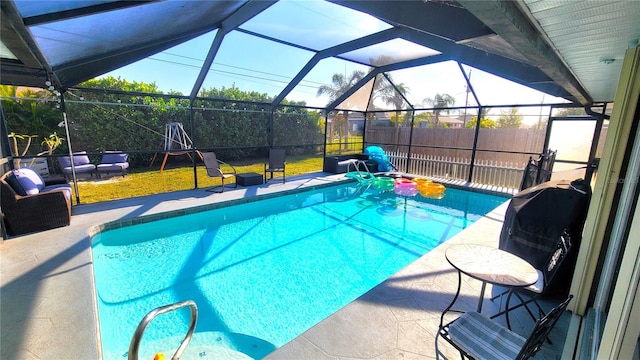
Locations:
(487, 172)
(507, 140)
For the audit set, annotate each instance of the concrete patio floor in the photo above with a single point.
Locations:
(48, 307)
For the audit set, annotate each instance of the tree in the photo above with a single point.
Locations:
(339, 85)
(485, 123)
(30, 114)
(424, 117)
(572, 111)
(510, 119)
(440, 102)
(394, 97)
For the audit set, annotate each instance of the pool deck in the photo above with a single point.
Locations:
(48, 309)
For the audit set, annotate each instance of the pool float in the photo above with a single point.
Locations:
(432, 190)
(383, 183)
(422, 182)
(405, 187)
(361, 177)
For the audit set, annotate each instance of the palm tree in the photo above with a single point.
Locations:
(441, 102)
(394, 97)
(339, 85)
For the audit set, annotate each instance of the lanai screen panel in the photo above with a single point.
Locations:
(424, 82)
(388, 96)
(66, 43)
(509, 135)
(359, 100)
(251, 63)
(485, 85)
(31, 8)
(315, 25)
(174, 69)
(389, 52)
(322, 75)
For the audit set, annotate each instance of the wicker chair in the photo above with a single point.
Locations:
(49, 209)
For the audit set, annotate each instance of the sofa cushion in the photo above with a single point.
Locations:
(64, 187)
(79, 158)
(113, 167)
(86, 168)
(65, 162)
(113, 158)
(25, 181)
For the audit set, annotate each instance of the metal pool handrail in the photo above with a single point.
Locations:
(137, 335)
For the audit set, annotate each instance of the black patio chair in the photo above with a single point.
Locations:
(218, 168)
(476, 336)
(276, 163)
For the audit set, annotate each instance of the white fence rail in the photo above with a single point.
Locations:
(486, 172)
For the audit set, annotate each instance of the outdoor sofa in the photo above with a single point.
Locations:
(113, 162)
(81, 163)
(31, 205)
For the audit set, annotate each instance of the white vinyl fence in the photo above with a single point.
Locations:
(486, 172)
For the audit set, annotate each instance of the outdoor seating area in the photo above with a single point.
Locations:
(30, 205)
(110, 162)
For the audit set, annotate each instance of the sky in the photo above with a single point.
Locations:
(255, 64)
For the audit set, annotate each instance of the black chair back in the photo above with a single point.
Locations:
(541, 330)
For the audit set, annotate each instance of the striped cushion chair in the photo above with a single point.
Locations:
(478, 337)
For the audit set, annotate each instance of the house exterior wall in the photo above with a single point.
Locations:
(621, 325)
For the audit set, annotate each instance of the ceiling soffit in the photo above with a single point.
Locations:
(507, 20)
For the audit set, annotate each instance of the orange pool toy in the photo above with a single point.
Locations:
(432, 190)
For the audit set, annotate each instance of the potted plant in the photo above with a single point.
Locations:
(39, 164)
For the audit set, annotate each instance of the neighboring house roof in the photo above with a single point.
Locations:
(449, 120)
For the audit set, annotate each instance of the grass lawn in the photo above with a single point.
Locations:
(141, 181)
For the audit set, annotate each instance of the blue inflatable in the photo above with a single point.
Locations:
(377, 154)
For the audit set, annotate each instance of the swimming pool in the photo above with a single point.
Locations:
(263, 272)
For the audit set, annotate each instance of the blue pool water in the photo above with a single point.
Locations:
(263, 272)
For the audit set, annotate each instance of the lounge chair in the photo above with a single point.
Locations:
(113, 162)
(478, 337)
(31, 205)
(213, 166)
(81, 163)
(276, 163)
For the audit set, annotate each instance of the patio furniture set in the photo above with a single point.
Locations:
(219, 169)
(29, 204)
(479, 336)
(32, 204)
(111, 162)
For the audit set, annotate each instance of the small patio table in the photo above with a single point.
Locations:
(489, 265)
(248, 179)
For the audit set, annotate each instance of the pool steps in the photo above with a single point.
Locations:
(137, 335)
